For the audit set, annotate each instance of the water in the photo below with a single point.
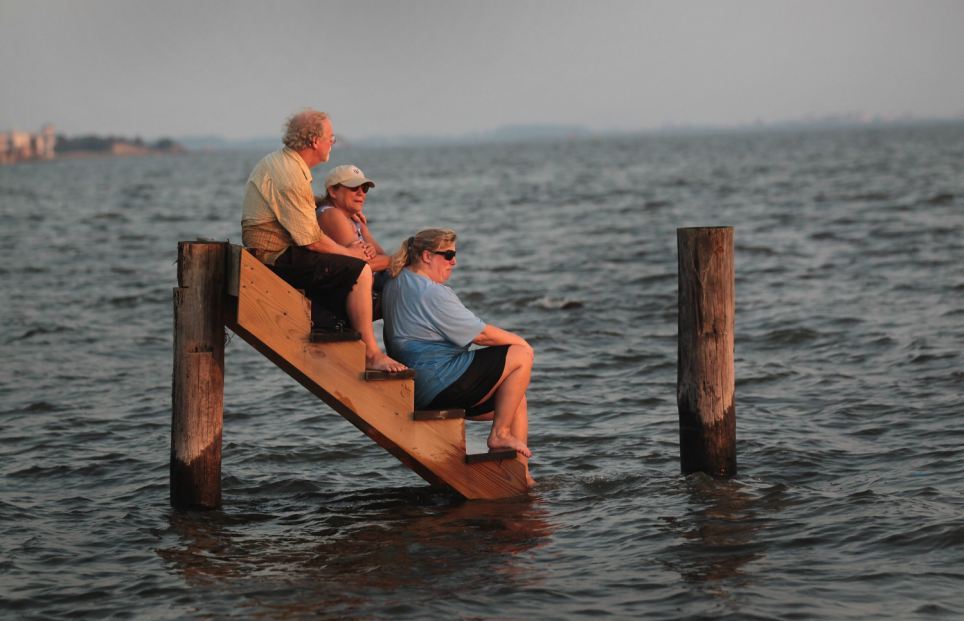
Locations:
(849, 503)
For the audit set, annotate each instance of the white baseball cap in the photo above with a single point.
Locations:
(347, 175)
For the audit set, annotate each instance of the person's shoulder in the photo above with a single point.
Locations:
(327, 219)
(439, 293)
(410, 280)
(264, 162)
(272, 158)
(406, 278)
(270, 163)
(326, 213)
(288, 170)
(281, 158)
(332, 221)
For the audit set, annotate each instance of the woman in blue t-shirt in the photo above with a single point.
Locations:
(428, 329)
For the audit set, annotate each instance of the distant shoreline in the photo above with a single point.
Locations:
(78, 155)
(91, 146)
(93, 154)
(46, 145)
(114, 145)
(530, 133)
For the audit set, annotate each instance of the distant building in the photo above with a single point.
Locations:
(18, 146)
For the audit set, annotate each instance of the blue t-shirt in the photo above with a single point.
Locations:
(428, 329)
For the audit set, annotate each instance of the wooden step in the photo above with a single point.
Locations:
(438, 414)
(379, 376)
(502, 455)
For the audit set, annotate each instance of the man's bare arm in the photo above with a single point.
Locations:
(326, 245)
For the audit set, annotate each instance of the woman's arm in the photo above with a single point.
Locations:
(326, 246)
(381, 260)
(336, 226)
(492, 335)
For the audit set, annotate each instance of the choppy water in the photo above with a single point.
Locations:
(849, 503)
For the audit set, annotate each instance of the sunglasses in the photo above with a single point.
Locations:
(363, 187)
(448, 255)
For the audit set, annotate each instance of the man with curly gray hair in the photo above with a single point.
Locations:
(278, 226)
(304, 127)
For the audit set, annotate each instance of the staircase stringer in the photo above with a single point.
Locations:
(335, 404)
(274, 319)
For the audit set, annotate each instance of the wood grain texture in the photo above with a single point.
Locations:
(197, 392)
(705, 373)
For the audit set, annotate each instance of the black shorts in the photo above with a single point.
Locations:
(326, 278)
(473, 385)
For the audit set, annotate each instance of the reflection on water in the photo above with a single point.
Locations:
(347, 557)
(721, 534)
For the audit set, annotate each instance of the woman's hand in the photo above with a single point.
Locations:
(357, 250)
(367, 249)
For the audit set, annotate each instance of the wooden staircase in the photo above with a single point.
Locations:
(275, 319)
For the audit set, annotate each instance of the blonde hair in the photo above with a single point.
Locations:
(412, 248)
(302, 129)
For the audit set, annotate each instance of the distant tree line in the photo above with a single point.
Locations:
(106, 143)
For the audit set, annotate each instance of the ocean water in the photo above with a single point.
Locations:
(848, 504)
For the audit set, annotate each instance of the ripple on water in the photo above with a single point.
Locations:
(846, 505)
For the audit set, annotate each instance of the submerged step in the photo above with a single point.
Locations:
(499, 455)
(438, 414)
(377, 376)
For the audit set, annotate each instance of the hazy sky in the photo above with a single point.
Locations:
(239, 68)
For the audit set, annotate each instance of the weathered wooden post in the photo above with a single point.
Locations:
(198, 383)
(705, 376)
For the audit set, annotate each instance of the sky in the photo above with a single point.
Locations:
(238, 69)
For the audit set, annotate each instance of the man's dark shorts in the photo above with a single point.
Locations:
(326, 278)
(472, 386)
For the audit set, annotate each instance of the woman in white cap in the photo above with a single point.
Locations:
(340, 213)
(340, 216)
(429, 329)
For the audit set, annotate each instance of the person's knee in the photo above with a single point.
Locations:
(365, 277)
(520, 356)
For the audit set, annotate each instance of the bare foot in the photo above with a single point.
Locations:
(506, 441)
(530, 482)
(381, 362)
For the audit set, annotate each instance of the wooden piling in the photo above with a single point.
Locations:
(198, 382)
(705, 374)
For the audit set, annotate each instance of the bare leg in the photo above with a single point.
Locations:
(510, 424)
(520, 429)
(520, 421)
(359, 307)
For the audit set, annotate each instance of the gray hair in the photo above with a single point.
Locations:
(412, 248)
(303, 128)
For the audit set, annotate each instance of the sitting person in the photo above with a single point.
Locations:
(428, 328)
(340, 218)
(340, 213)
(279, 226)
